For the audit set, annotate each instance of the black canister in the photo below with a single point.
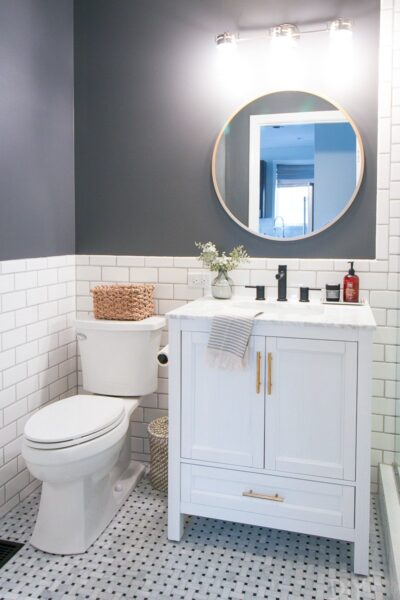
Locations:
(332, 292)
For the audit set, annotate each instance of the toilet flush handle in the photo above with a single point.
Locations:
(81, 336)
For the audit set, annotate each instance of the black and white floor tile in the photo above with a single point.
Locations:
(216, 559)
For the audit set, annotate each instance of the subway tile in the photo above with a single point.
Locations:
(13, 301)
(145, 275)
(81, 259)
(38, 399)
(8, 471)
(7, 322)
(16, 484)
(15, 411)
(188, 262)
(37, 330)
(6, 283)
(159, 261)
(66, 274)
(36, 296)
(57, 291)
(34, 264)
(88, 273)
(130, 261)
(26, 316)
(27, 386)
(7, 359)
(13, 338)
(115, 274)
(24, 281)
(12, 449)
(38, 364)
(13, 266)
(8, 434)
(48, 310)
(103, 260)
(164, 290)
(56, 262)
(172, 275)
(47, 277)
(184, 292)
(384, 299)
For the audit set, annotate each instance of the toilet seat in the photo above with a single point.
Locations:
(73, 421)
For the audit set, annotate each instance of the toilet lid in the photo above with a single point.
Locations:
(74, 419)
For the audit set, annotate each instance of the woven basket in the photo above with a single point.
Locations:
(158, 436)
(123, 302)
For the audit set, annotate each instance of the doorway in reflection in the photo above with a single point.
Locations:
(306, 173)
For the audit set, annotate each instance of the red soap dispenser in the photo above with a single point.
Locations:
(351, 285)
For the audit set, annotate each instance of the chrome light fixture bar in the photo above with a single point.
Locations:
(338, 29)
(286, 31)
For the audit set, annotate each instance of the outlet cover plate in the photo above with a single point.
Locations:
(199, 279)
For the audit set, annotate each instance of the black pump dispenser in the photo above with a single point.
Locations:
(351, 270)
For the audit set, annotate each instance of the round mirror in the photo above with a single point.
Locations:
(288, 164)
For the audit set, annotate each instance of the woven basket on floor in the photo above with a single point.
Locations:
(158, 436)
(123, 302)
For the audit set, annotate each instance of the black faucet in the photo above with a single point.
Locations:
(281, 276)
(260, 291)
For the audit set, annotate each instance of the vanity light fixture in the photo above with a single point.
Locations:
(340, 29)
(285, 35)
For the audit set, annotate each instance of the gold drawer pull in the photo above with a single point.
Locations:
(258, 379)
(275, 498)
(269, 373)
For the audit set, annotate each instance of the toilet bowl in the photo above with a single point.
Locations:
(79, 446)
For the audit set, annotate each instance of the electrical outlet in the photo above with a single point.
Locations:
(199, 279)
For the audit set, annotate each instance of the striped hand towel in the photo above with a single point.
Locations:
(227, 344)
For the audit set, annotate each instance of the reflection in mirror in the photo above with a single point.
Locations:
(288, 165)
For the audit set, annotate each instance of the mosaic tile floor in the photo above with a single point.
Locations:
(216, 559)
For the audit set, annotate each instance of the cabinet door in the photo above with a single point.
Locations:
(222, 411)
(311, 407)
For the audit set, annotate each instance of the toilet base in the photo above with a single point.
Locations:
(73, 515)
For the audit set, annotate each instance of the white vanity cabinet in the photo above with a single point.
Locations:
(283, 443)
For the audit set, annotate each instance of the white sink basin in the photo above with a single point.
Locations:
(288, 310)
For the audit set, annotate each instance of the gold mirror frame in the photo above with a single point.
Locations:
(307, 235)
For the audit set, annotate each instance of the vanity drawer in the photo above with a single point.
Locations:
(269, 495)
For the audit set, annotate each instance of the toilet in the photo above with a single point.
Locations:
(79, 446)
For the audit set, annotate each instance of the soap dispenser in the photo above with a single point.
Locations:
(351, 285)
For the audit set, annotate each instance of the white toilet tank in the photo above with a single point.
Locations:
(119, 357)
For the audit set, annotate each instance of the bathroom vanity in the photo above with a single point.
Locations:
(285, 442)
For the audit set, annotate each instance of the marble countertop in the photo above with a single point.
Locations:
(291, 312)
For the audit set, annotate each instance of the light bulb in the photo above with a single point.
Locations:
(341, 30)
(226, 42)
(284, 36)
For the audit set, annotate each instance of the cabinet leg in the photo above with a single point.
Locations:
(361, 556)
(176, 522)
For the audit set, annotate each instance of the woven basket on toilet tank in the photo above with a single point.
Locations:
(123, 302)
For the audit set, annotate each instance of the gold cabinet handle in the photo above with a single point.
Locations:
(273, 498)
(269, 373)
(258, 377)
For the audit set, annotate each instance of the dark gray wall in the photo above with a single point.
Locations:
(37, 212)
(150, 100)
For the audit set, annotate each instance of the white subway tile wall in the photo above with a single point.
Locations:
(38, 361)
(374, 284)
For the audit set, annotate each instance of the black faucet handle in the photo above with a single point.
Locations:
(260, 291)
